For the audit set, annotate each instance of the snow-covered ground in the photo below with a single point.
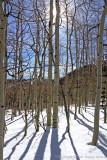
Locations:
(55, 144)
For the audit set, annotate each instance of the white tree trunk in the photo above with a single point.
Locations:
(99, 76)
(49, 100)
(56, 71)
(2, 75)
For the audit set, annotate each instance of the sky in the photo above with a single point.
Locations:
(28, 54)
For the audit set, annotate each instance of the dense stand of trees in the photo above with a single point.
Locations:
(52, 52)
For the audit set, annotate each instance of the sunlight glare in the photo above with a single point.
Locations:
(54, 13)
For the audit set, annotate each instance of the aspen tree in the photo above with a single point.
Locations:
(105, 108)
(86, 53)
(56, 70)
(25, 111)
(99, 76)
(43, 104)
(49, 100)
(77, 75)
(20, 68)
(67, 56)
(35, 85)
(38, 79)
(16, 56)
(2, 73)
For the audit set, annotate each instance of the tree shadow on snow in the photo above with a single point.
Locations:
(80, 121)
(90, 108)
(102, 138)
(103, 150)
(13, 149)
(91, 113)
(103, 141)
(63, 137)
(41, 148)
(13, 121)
(8, 119)
(73, 146)
(18, 134)
(28, 146)
(82, 115)
(55, 149)
(5, 144)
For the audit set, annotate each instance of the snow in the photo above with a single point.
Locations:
(55, 144)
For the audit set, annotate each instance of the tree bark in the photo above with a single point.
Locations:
(49, 101)
(56, 71)
(2, 74)
(99, 76)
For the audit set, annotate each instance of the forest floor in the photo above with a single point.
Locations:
(55, 144)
